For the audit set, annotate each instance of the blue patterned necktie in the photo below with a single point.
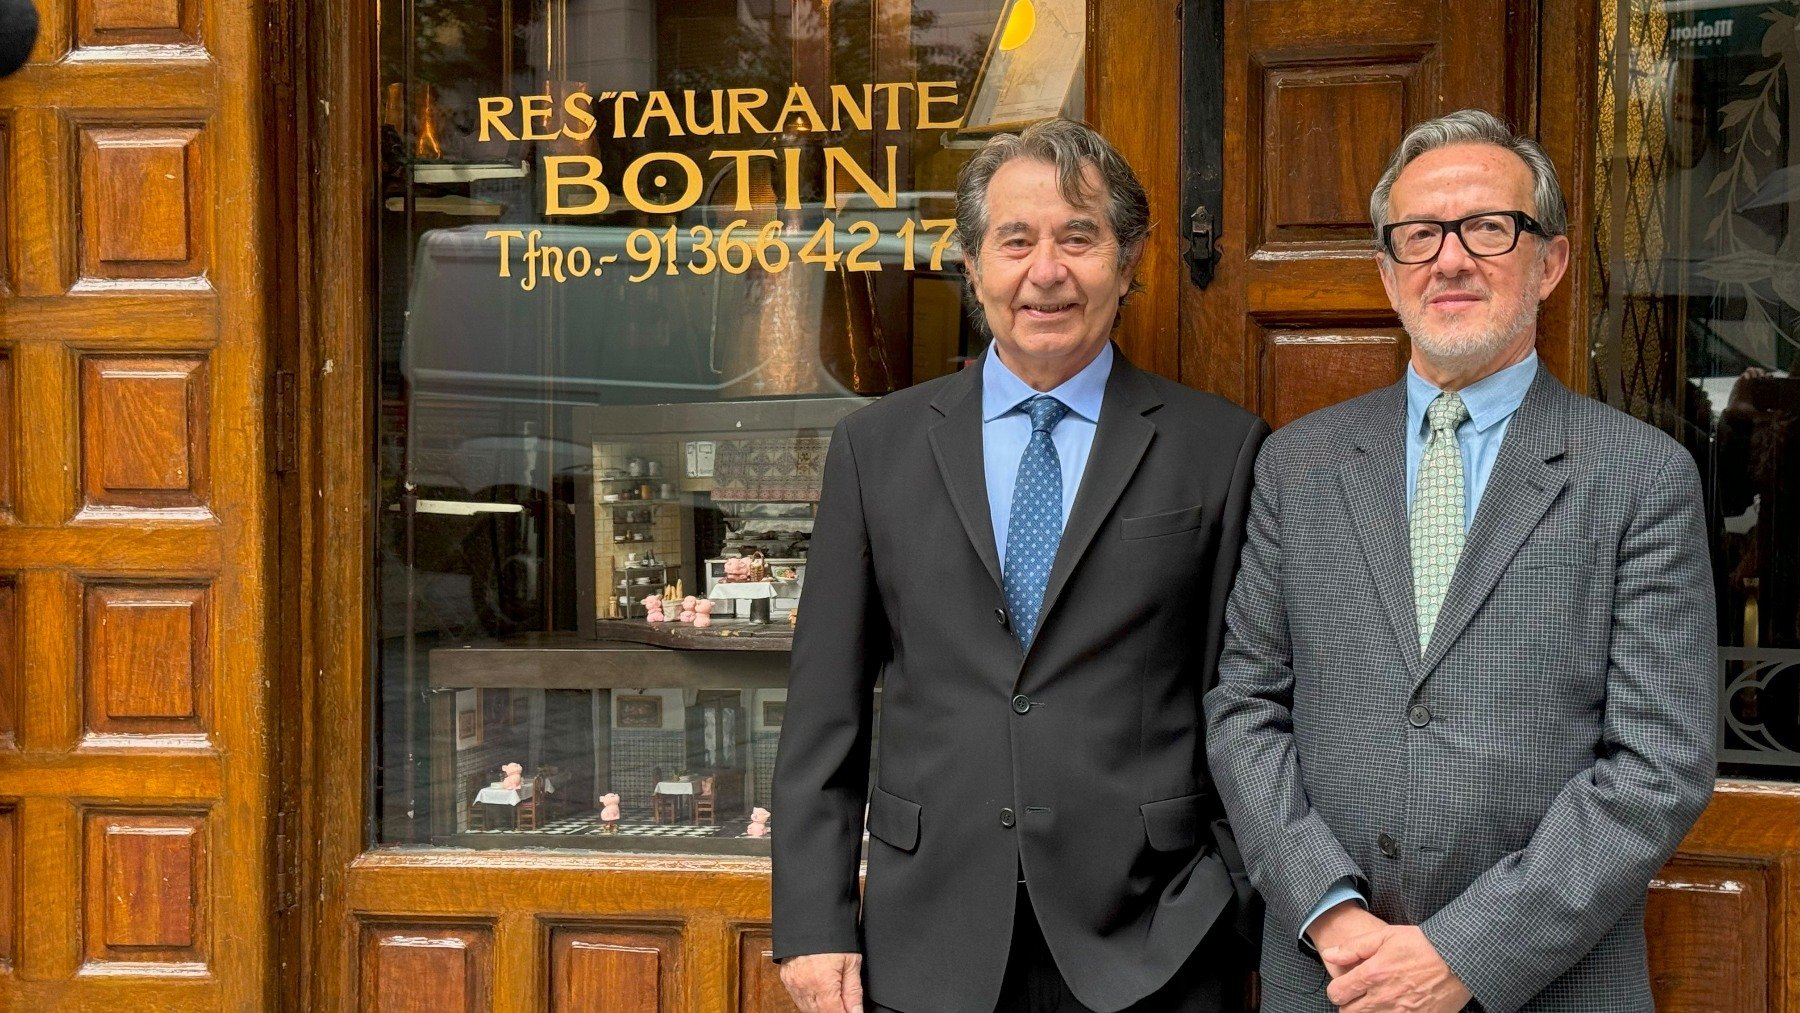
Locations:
(1035, 528)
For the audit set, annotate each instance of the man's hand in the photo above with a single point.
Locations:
(1392, 969)
(1338, 926)
(824, 982)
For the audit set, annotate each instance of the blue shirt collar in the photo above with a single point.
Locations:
(1002, 391)
(1490, 400)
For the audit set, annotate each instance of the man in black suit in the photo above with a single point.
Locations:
(1033, 555)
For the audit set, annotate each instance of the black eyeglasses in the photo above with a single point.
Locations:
(1488, 234)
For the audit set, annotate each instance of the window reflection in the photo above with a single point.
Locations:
(1697, 317)
(602, 431)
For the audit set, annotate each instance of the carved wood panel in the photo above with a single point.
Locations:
(1338, 363)
(148, 660)
(1722, 917)
(145, 889)
(426, 968)
(11, 653)
(136, 22)
(134, 505)
(759, 980)
(596, 969)
(6, 421)
(1340, 123)
(144, 432)
(1708, 928)
(141, 218)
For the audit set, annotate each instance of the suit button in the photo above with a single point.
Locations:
(1388, 845)
(1418, 715)
(1007, 819)
(1000, 616)
(1021, 703)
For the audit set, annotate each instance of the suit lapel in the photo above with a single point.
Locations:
(1120, 440)
(1374, 481)
(1521, 488)
(956, 442)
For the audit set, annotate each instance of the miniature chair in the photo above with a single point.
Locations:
(555, 805)
(477, 811)
(705, 802)
(663, 808)
(527, 812)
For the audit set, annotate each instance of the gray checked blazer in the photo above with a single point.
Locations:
(1513, 790)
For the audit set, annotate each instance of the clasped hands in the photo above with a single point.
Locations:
(825, 982)
(1377, 968)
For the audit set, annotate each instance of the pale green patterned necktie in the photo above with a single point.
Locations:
(1437, 513)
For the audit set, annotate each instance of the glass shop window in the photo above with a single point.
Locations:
(637, 257)
(1695, 264)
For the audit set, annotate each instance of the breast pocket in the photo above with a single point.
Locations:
(1171, 522)
(1541, 555)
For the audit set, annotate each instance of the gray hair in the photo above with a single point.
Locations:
(1070, 147)
(1475, 126)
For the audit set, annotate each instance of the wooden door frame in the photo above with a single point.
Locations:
(330, 532)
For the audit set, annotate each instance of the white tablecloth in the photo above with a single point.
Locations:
(753, 589)
(674, 787)
(493, 794)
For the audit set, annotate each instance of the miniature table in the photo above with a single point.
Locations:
(673, 791)
(493, 794)
(757, 592)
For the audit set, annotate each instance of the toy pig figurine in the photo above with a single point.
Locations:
(703, 613)
(737, 569)
(513, 777)
(759, 823)
(609, 812)
(687, 609)
(653, 609)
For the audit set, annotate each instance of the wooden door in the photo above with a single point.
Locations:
(134, 775)
(1316, 96)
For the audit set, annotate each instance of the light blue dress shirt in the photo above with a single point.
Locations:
(1491, 401)
(1006, 430)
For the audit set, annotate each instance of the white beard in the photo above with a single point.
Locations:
(1457, 348)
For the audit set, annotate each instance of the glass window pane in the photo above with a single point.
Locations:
(637, 258)
(1696, 269)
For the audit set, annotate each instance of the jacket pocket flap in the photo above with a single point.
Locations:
(1167, 523)
(1172, 824)
(894, 819)
(1534, 555)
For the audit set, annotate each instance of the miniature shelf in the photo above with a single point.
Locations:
(677, 660)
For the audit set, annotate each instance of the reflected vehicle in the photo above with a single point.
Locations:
(498, 354)
(487, 507)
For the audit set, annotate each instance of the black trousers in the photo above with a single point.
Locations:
(1210, 982)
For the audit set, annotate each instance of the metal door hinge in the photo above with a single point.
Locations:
(286, 406)
(1202, 255)
(287, 862)
(1203, 134)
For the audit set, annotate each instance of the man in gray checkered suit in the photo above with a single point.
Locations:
(1465, 709)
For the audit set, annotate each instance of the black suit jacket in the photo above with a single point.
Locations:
(1082, 764)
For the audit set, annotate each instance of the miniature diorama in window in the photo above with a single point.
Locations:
(650, 769)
